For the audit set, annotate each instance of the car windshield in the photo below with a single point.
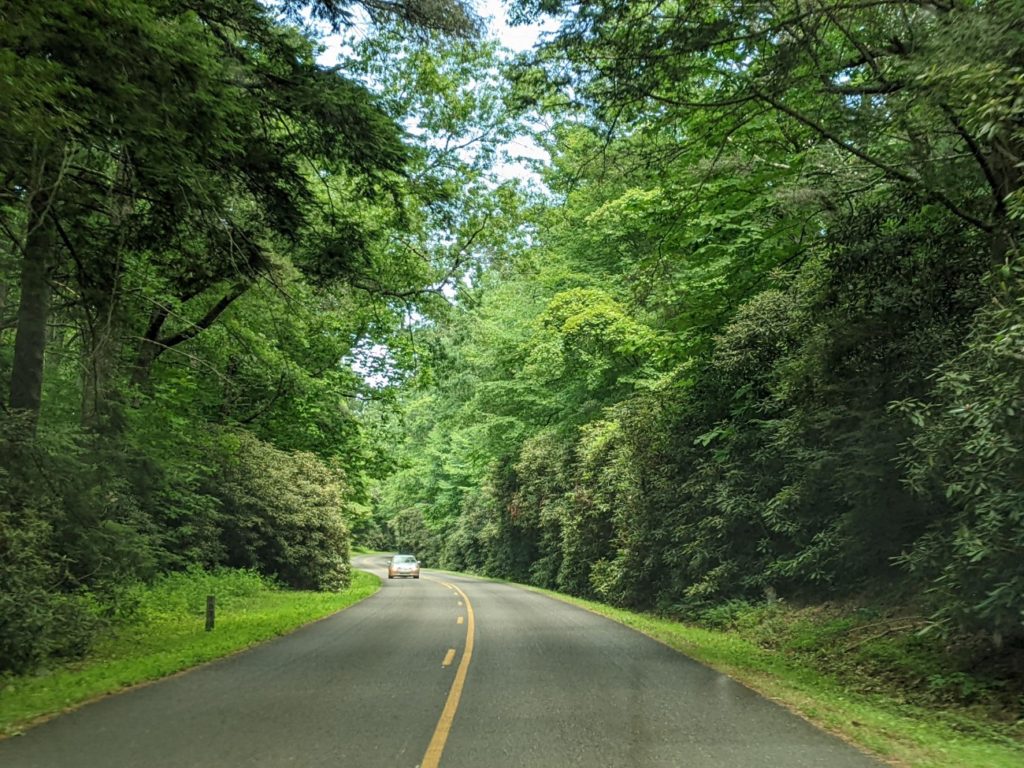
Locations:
(404, 559)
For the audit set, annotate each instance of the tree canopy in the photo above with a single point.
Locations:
(203, 226)
(761, 339)
(751, 331)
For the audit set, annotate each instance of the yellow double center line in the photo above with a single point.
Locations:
(432, 759)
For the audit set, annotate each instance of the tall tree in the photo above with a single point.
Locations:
(192, 133)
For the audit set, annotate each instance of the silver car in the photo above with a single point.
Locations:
(403, 566)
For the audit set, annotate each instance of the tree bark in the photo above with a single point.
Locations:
(1005, 160)
(148, 347)
(103, 330)
(33, 307)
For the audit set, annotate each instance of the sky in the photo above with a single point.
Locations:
(517, 39)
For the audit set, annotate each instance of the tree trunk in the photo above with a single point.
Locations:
(33, 307)
(149, 347)
(100, 411)
(103, 329)
(152, 345)
(1005, 160)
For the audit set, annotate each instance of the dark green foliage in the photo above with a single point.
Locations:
(45, 611)
(966, 458)
(410, 535)
(875, 648)
(39, 619)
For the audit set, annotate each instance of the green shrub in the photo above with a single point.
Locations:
(870, 649)
(819, 636)
(725, 615)
(185, 592)
(283, 514)
(968, 457)
(37, 619)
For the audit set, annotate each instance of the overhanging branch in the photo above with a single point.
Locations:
(889, 170)
(206, 321)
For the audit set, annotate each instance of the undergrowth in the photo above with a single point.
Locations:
(888, 650)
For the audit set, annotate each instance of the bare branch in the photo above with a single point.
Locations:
(979, 156)
(279, 391)
(875, 89)
(205, 322)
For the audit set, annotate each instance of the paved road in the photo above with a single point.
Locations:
(444, 671)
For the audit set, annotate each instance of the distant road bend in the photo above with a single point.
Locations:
(442, 671)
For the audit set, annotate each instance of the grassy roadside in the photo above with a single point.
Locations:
(168, 635)
(901, 733)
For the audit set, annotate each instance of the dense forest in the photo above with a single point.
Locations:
(753, 330)
(204, 230)
(764, 338)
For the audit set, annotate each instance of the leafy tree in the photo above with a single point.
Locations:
(771, 231)
(198, 229)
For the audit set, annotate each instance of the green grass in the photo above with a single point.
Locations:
(168, 635)
(901, 733)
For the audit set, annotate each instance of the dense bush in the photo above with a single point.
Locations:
(57, 577)
(967, 459)
(40, 618)
(876, 647)
(80, 535)
(283, 514)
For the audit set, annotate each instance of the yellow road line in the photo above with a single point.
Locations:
(432, 758)
(448, 657)
(459, 620)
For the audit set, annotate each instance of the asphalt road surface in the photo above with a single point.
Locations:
(442, 671)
